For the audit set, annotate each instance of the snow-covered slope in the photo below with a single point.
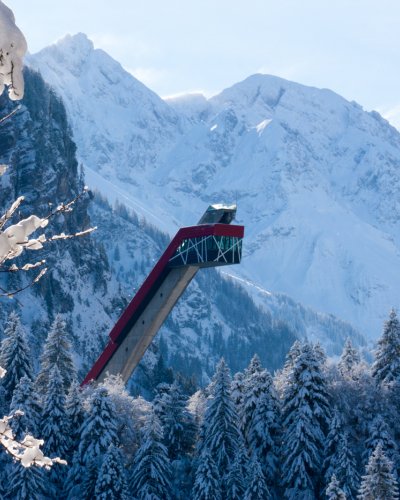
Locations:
(316, 178)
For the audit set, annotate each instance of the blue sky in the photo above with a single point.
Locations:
(351, 47)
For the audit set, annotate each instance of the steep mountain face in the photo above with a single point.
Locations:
(316, 178)
(83, 286)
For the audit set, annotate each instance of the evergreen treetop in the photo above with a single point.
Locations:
(386, 367)
(349, 359)
(57, 351)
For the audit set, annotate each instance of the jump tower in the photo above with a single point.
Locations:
(212, 242)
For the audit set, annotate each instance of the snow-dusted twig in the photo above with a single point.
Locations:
(16, 237)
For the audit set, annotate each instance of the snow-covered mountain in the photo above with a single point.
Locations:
(90, 279)
(316, 178)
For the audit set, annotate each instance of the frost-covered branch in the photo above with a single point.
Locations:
(12, 50)
(17, 237)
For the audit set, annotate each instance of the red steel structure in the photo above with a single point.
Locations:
(213, 242)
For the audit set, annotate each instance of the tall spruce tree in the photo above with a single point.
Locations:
(349, 359)
(261, 412)
(219, 433)
(54, 429)
(14, 356)
(57, 351)
(151, 469)
(111, 481)
(97, 433)
(54, 419)
(75, 416)
(379, 483)
(252, 388)
(346, 471)
(207, 484)
(306, 415)
(386, 367)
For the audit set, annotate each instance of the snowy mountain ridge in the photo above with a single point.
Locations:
(316, 178)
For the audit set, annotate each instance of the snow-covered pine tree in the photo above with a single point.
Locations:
(333, 491)
(281, 376)
(346, 471)
(111, 481)
(252, 388)
(151, 471)
(14, 355)
(57, 351)
(386, 367)
(379, 483)
(237, 475)
(75, 416)
(306, 416)
(349, 359)
(261, 415)
(26, 483)
(219, 433)
(207, 484)
(380, 433)
(257, 488)
(97, 433)
(332, 446)
(25, 399)
(254, 366)
(54, 428)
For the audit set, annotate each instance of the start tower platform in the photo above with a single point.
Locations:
(212, 242)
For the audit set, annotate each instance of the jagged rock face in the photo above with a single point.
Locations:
(316, 178)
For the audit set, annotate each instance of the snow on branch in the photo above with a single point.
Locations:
(17, 237)
(12, 50)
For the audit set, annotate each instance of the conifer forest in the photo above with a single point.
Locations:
(279, 382)
(314, 429)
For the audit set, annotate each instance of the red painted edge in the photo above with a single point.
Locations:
(120, 325)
